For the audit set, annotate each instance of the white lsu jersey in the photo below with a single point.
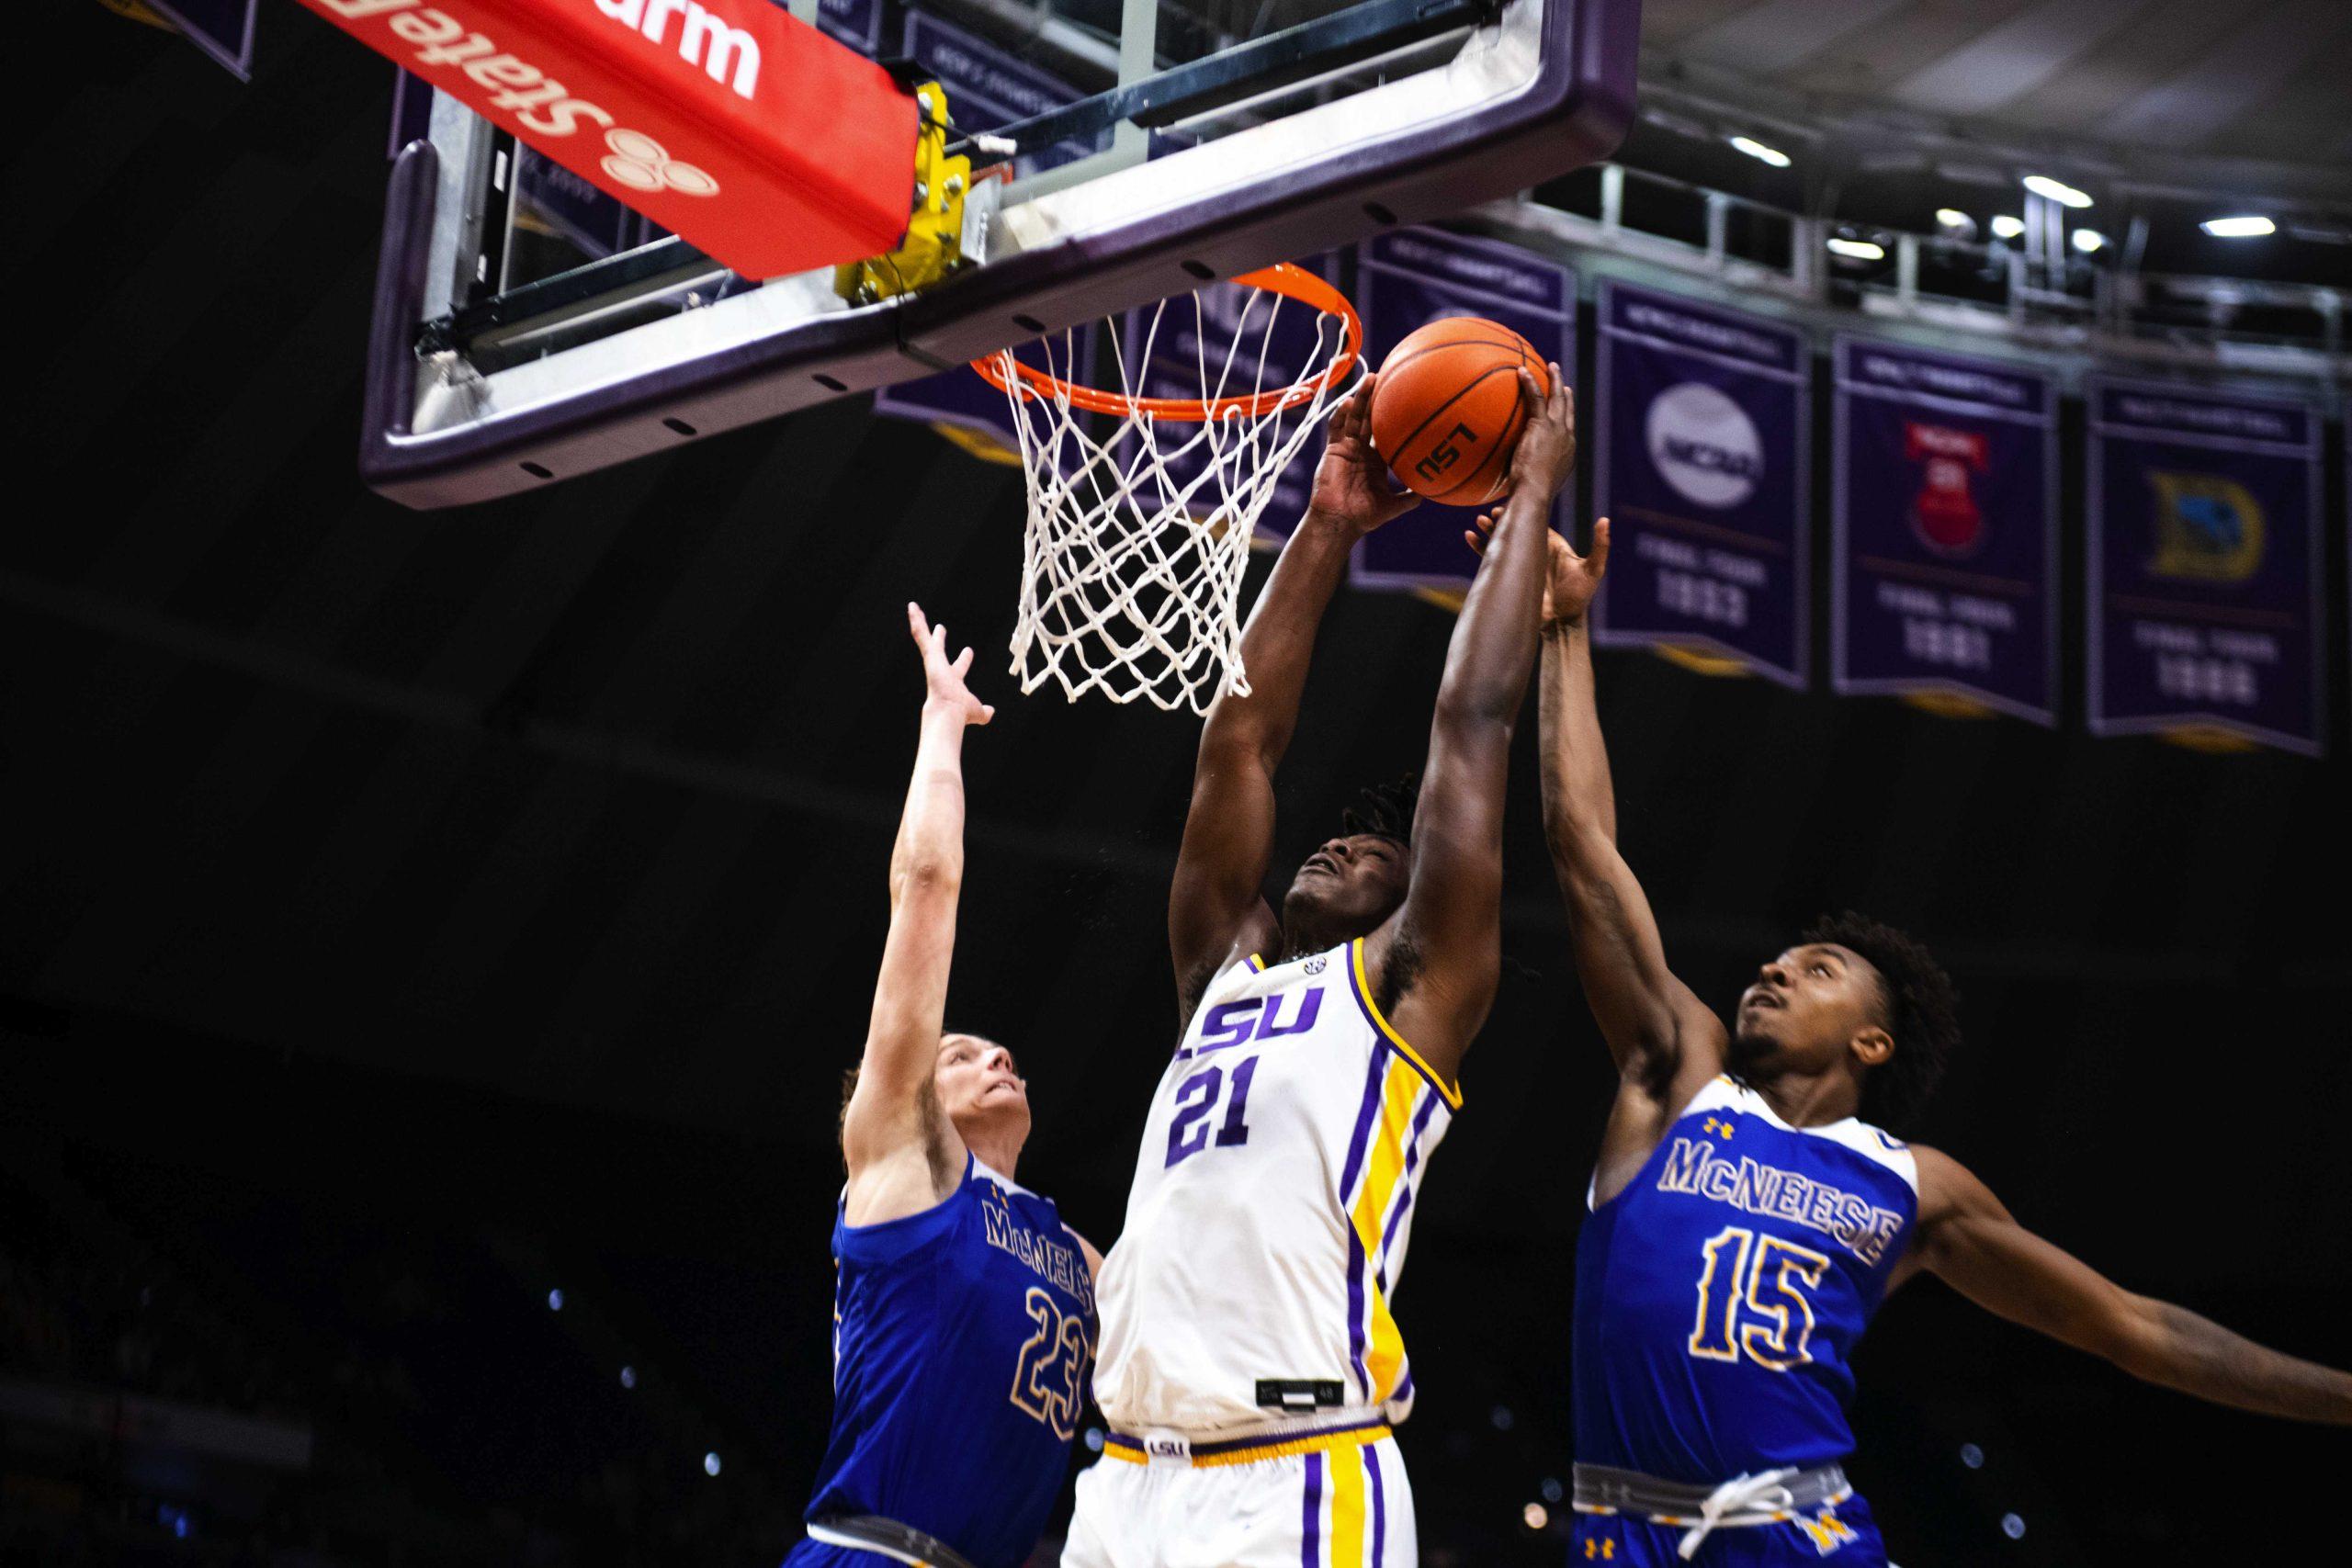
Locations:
(1272, 1205)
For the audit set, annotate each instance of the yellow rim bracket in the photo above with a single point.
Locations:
(934, 243)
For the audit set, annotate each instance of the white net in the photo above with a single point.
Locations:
(1139, 521)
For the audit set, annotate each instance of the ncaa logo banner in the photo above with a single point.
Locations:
(1407, 279)
(1274, 343)
(1704, 474)
(1944, 529)
(2206, 608)
(749, 135)
(986, 88)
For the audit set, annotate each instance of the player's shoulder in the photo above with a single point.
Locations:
(1944, 1183)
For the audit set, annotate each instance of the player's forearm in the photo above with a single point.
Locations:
(929, 851)
(1494, 643)
(2177, 1348)
(1578, 790)
(1279, 642)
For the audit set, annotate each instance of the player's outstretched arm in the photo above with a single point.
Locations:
(1216, 902)
(1666, 1043)
(1968, 1239)
(1440, 955)
(902, 1152)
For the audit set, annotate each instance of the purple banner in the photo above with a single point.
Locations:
(857, 23)
(1239, 342)
(2204, 560)
(986, 88)
(1944, 529)
(1409, 278)
(222, 29)
(1704, 474)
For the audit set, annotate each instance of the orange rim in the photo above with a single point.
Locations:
(1295, 283)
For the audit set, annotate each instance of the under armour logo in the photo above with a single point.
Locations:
(1600, 1551)
(1827, 1531)
(1723, 1129)
(641, 163)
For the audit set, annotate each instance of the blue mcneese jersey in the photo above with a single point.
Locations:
(1719, 1297)
(962, 1341)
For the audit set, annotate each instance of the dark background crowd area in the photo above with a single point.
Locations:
(405, 917)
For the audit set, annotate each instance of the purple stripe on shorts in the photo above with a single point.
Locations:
(1379, 1507)
(1310, 1524)
(1412, 1157)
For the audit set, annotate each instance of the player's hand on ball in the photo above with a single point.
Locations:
(944, 691)
(1546, 454)
(1569, 579)
(1352, 483)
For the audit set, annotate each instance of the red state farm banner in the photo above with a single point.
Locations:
(750, 135)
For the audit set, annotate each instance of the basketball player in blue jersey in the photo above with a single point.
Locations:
(964, 1313)
(1250, 1368)
(1748, 1215)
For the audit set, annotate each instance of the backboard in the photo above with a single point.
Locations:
(528, 329)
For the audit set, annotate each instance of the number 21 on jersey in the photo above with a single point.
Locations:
(1198, 1097)
(1768, 1278)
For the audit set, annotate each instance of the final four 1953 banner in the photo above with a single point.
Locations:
(1703, 475)
(1944, 547)
(2205, 596)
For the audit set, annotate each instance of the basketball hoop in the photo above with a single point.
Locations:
(1140, 517)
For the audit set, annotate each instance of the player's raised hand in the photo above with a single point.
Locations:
(944, 691)
(1546, 454)
(1352, 483)
(1570, 580)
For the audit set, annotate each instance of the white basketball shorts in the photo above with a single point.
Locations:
(1333, 1500)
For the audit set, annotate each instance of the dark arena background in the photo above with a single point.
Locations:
(430, 942)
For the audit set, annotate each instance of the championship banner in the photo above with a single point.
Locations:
(1260, 324)
(222, 29)
(1944, 529)
(2206, 608)
(1704, 474)
(1408, 279)
(986, 88)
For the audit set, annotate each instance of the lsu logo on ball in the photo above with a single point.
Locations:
(1446, 453)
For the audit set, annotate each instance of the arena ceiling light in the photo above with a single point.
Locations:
(2251, 227)
(1857, 250)
(2058, 191)
(2008, 227)
(2089, 240)
(1954, 218)
(1761, 153)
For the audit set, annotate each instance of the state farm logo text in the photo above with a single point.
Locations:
(727, 54)
(539, 102)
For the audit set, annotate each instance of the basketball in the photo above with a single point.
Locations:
(1446, 411)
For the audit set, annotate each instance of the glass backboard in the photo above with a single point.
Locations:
(529, 328)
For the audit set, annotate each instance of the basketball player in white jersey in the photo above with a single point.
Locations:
(1748, 1218)
(1250, 1368)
